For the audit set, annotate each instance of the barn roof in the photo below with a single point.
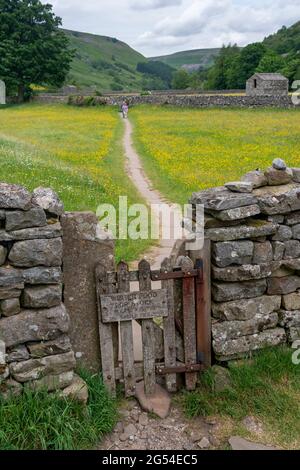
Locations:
(270, 76)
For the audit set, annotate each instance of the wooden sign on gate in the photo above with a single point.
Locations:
(134, 305)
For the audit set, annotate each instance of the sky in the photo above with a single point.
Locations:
(158, 27)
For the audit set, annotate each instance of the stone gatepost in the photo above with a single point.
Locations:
(83, 249)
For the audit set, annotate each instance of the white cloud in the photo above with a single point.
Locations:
(213, 22)
(164, 26)
(153, 4)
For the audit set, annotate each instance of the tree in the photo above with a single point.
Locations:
(33, 50)
(270, 63)
(158, 70)
(291, 68)
(245, 65)
(181, 80)
(218, 78)
(151, 82)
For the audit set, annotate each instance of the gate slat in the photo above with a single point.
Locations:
(105, 333)
(147, 333)
(112, 289)
(189, 322)
(169, 329)
(126, 334)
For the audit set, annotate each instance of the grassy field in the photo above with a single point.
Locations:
(75, 151)
(266, 387)
(191, 149)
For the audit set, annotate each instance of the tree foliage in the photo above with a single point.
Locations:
(271, 62)
(181, 80)
(286, 40)
(219, 74)
(233, 66)
(33, 50)
(158, 70)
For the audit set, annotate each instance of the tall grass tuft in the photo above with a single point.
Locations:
(43, 421)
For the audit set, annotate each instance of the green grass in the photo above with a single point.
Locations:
(43, 421)
(267, 387)
(77, 152)
(103, 61)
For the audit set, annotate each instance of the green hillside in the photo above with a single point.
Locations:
(104, 62)
(286, 40)
(203, 57)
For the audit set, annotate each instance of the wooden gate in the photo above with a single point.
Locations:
(181, 306)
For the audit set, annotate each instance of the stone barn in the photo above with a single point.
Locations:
(267, 84)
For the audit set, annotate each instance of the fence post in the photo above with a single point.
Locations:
(203, 304)
(189, 317)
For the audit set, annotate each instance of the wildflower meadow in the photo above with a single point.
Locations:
(185, 150)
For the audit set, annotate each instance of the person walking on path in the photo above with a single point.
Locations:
(125, 109)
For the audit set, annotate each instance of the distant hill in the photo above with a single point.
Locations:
(104, 62)
(110, 64)
(286, 40)
(202, 57)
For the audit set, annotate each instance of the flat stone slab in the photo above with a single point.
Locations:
(224, 292)
(246, 272)
(34, 325)
(278, 199)
(239, 443)
(256, 177)
(10, 276)
(46, 232)
(18, 220)
(251, 229)
(240, 347)
(246, 309)
(240, 186)
(221, 198)
(239, 213)
(159, 403)
(227, 330)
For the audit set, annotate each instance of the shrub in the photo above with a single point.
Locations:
(87, 101)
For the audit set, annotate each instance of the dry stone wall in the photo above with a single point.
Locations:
(192, 101)
(35, 349)
(254, 227)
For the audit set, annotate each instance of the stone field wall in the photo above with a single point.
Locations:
(35, 348)
(207, 101)
(254, 228)
(193, 101)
